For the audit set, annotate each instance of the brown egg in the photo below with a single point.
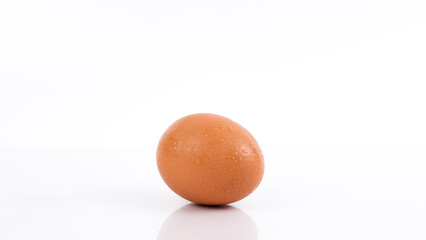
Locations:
(209, 159)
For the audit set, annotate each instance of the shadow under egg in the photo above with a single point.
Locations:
(194, 221)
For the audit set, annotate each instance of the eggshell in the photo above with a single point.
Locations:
(209, 159)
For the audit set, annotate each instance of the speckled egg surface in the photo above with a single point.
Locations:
(209, 159)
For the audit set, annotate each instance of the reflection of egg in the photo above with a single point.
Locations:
(195, 222)
(209, 159)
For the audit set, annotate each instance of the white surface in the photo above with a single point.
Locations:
(306, 194)
(334, 92)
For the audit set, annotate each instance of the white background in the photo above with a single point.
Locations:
(334, 92)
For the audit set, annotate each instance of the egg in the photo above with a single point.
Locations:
(209, 159)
